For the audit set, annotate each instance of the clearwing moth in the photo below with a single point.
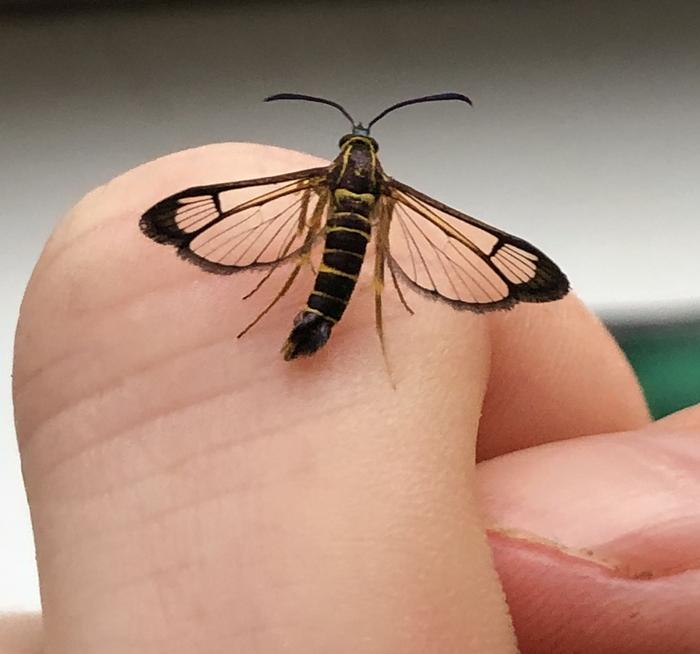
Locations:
(268, 222)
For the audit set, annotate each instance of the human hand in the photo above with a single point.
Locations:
(194, 493)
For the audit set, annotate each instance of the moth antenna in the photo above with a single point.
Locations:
(310, 98)
(427, 98)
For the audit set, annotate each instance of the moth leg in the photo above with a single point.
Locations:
(283, 291)
(260, 283)
(306, 260)
(301, 225)
(314, 225)
(378, 284)
(302, 222)
(399, 292)
(301, 261)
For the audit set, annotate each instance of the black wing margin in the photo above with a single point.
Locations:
(225, 228)
(463, 261)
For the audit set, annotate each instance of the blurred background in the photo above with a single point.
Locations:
(584, 138)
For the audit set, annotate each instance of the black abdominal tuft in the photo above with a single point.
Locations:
(310, 333)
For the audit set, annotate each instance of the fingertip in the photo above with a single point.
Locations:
(160, 451)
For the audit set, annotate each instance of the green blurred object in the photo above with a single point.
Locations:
(666, 358)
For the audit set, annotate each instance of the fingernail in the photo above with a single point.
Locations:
(629, 502)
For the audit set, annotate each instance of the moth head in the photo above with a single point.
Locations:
(358, 137)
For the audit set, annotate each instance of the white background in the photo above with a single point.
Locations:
(584, 137)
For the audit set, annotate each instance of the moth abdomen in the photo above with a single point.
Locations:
(343, 254)
(310, 333)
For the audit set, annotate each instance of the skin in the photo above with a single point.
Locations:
(194, 493)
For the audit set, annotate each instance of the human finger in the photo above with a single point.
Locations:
(596, 541)
(193, 492)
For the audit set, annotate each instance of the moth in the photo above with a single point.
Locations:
(423, 244)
